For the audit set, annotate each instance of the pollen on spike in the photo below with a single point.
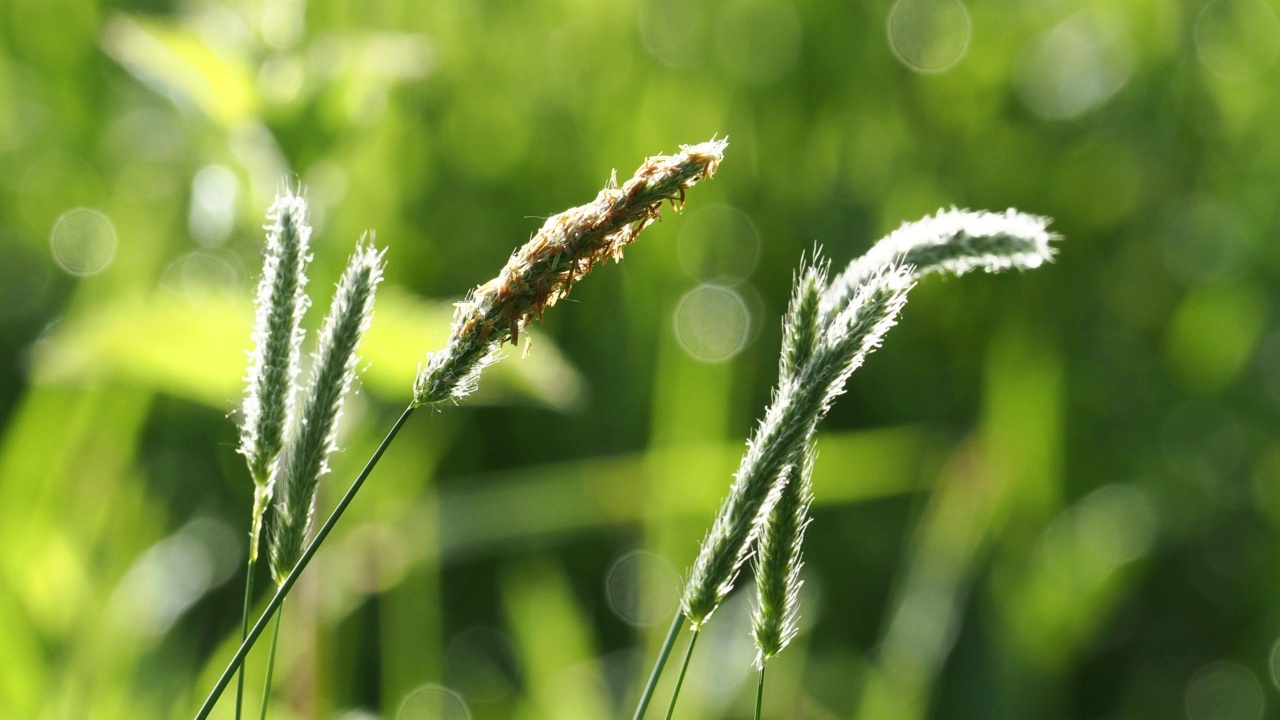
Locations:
(536, 276)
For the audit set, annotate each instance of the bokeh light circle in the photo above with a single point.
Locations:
(481, 662)
(1077, 66)
(712, 323)
(642, 588)
(83, 241)
(675, 31)
(1268, 360)
(758, 41)
(1238, 39)
(1116, 524)
(1204, 442)
(1274, 663)
(573, 50)
(718, 243)
(433, 702)
(1225, 691)
(203, 275)
(1205, 241)
(212, 214)
(929, 36)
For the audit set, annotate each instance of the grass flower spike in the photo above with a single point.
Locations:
(268, 410)
(561, 253)
(828, 331)
(800, 402)
(304, 460)
(273, 364)
(954, 241)
(778, 444)
(777, 560)
(802, 326)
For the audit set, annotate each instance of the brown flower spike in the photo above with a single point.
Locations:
(561, 253)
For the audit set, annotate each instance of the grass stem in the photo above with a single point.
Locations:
(760, 692)
(684, 667)
(244, 625)
(271, 665)
(667, 644)
(301, 565)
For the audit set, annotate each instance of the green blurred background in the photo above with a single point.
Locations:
(1050, 495)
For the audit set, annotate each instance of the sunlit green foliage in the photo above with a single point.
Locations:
(1050, 496)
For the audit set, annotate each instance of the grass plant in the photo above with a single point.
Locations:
(777, 560)
(831, 326)
(305, 458)
(538, 274)
(280, 447)
(829, 330)
(560, 254)
(268, 408)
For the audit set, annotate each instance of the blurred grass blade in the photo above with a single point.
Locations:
(178, 63)
(165, 343)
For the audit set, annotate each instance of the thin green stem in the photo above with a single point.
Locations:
(760, 691)
(301, 565)
(244, 624)
(684, 667)
(658, 665)
(271, 664)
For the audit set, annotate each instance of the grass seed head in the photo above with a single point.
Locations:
(560, 254)
(953, 241)
(277, 335)
(778, 561)
(268, 409)
(801, 326)
(305, 458)
(787, 428)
